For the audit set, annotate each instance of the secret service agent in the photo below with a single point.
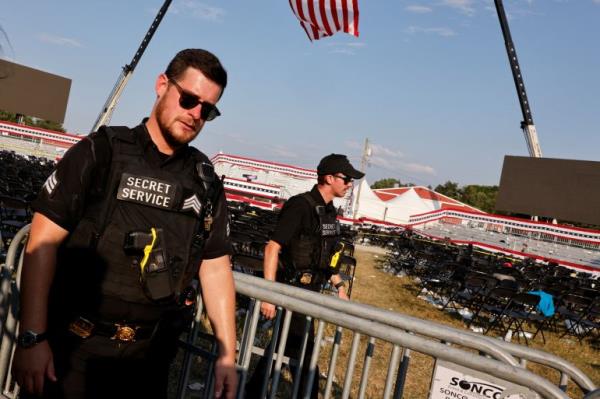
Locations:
(121, 228)
(305, 238)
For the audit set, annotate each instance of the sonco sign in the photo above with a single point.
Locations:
(451, 381)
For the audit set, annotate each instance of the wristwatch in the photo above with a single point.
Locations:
(28, 339)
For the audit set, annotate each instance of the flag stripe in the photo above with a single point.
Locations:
(321, 18)
(309, 28)
(313, 18)
(340, 13)
(324, 17)
(355, 13)
(330, 14)
(345, 12)
(298, 10)
(334, 13)
(322, 21)
(296, 6)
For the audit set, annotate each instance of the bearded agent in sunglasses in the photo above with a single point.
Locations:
(306, 239)
(126, 229)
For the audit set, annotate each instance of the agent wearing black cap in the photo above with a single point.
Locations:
(306, 232)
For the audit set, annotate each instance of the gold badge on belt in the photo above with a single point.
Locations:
(306, 278)
(125, 333)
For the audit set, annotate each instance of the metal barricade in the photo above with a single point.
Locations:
(501, 350)
(10, 274)
(408, 335)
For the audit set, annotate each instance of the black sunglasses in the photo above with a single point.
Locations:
(187, 100)
(346, 179)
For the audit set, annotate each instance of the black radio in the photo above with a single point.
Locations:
(155, 275)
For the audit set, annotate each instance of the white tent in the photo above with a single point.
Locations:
(366, 204)
(407, 202)
(401, 208)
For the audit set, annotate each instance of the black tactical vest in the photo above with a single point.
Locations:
(132, 196)
(311, 251)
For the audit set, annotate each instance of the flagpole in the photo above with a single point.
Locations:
(363, 165)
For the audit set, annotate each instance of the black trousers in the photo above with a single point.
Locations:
(99, 367)
(293, 349)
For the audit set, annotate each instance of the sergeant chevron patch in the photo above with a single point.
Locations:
(192, 203)
(51, 183)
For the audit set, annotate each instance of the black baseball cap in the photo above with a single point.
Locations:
(338, 163)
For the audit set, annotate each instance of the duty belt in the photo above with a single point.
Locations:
(122, 332)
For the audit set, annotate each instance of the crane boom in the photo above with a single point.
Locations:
(529, 131)
(127, 71)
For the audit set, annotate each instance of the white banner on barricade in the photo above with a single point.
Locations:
(451, 381)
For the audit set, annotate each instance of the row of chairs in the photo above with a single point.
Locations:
(22, 177)
(501, 295)
(20, 180)
(527, 313)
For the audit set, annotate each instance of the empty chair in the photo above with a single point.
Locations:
(476, 286)
(522, 312)
(490, 313)
(572, 310)
(581, 320)
(438, 280)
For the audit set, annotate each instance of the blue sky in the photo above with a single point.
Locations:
(427, 81)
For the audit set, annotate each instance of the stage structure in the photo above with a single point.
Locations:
(31, 92)
(555, 188)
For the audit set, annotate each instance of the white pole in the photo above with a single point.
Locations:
(363, 165)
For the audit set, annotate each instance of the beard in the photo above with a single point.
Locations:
(167, 127)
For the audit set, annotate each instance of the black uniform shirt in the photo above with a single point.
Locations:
(298, 216)
(63, 195)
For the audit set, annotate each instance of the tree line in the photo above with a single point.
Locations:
(35, 122)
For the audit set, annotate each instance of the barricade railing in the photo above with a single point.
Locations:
(499, 349)
(10, 277)
(404, 333)
(432, 339)
(501, 361)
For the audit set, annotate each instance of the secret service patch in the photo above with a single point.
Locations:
(147, 191)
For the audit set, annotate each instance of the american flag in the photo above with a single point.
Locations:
(321, 18)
